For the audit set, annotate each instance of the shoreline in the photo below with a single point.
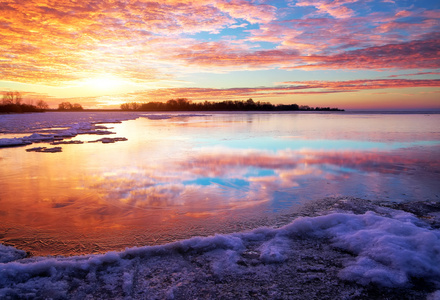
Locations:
(332, 248)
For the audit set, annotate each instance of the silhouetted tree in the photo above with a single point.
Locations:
(77, 106)
(41, 104)
(65, 106)
(69, 106)
(12, 98)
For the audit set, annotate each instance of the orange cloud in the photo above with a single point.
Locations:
(285, 88)
(60, 43)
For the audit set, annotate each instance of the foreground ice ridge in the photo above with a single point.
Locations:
(340, 255)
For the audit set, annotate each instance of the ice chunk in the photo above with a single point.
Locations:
(45, 149)
(158, 117)
(8, 254)
(13, 142)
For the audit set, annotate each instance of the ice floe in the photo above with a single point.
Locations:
(45, 149)
(59, 128)
(108, 140)
(13, 142)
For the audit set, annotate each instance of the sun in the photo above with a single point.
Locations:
(106, 83)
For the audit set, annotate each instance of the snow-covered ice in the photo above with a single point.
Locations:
(13, 142)
(370, 253)
(57, 126)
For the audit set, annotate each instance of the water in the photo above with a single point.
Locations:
(202, 174)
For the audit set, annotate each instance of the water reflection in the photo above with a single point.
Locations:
(179, 177)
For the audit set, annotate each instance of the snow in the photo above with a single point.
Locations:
(8, 253)
(60, 126)
(69, 125)
(346, 253)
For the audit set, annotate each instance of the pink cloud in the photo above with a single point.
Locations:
(353, 85)
(415, 74)
(408, 55)
(336, 9)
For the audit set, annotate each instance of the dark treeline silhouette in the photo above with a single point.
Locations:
(12, 103)
(69, 106)
(183, 104)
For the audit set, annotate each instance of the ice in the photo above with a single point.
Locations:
(109, 140)
(339, 254)
(45, 149)
(158, 117)
(167, 116)
(8, 253)
(13, 142)
(60, 126)
(69, 125)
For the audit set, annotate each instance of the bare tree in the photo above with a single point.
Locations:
(12, 98)
(41, 104)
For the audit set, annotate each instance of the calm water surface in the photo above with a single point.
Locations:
(199, 175)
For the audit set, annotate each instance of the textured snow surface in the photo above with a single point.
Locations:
(341, 255)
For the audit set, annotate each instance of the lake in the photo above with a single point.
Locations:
(179, 175)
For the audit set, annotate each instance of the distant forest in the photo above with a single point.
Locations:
(183, 104)
(12, 103)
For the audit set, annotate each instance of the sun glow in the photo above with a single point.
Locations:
(105, 83)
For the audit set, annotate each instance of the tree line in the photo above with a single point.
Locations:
(69, 106)
(12, 102)
(183, 104)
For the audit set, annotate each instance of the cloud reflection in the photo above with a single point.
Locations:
(224, 179)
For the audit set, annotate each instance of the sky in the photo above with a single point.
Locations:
(351, 54)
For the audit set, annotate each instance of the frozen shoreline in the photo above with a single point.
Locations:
(343, 248)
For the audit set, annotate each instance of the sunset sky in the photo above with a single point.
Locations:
(352, 54)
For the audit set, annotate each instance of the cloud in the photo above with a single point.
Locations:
(414, 74)
(53, 42)
(284, 88)
(336, 8)
(57, 43)
(353, 85)
(220, 54)
(408, 55)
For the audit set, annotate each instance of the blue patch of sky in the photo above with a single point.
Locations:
(235, 33)
(295, 12)
(274, 77)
